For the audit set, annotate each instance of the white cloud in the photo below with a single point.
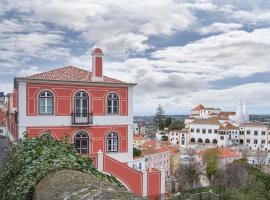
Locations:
(232, 54)
(111, 24)
(219, 27)
(28, 72)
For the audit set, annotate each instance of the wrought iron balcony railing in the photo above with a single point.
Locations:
(82, 118)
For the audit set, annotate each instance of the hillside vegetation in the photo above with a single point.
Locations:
(33, 159)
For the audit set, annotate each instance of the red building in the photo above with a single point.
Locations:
(94, 111)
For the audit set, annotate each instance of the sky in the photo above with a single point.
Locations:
(180, 52)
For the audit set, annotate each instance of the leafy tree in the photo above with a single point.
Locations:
(211, 160)
(136, 152)
(32, 159)
(168, 121)
(187, 175)
(160, 117)
(177, 125)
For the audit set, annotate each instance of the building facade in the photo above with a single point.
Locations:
(93, 111)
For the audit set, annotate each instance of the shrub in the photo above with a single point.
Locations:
(32, 159)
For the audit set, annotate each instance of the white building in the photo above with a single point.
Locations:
(255, 136)
(160, 135)
(174, 136)
(139, 164)
(204, 131)
(138, 128)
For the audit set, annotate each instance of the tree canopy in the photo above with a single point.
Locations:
(32, 159)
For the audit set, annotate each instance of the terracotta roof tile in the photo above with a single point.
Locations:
(228, 126)
(222, 153)
(198, 107)
(70, 73)
(205, 121)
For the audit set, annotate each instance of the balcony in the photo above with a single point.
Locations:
(82, 118)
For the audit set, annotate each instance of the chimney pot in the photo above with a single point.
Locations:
(97, 61)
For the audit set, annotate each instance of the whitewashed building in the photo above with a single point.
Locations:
(174, 136)
(255, 136)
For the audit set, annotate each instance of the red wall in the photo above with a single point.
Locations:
(154, 184)
(63, 98)
(96, 134)
(129, 176)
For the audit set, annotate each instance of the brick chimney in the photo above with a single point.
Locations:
(97, 60)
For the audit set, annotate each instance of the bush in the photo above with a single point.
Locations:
(32, 159)
(136, 152)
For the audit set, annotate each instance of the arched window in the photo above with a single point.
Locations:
(192, 140)
(81, 142)
(45, 103)
(214, 141)
(81, 107)
(207, 140)
(200, 140)
(112, 142)
(113, 103)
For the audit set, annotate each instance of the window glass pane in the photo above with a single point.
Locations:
(49, 101)
(109, 109)
(110, 103)
(42, 101)
(49, 110)
(115, 102)
(77, 144)
(84, 143)
(115, 109)
(84, 103)
(42, 109)
(84, 151)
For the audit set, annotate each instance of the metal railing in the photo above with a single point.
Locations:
(81, 118)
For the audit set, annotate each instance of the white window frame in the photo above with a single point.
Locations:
(112, 142)
(46, 98)
(112, 97)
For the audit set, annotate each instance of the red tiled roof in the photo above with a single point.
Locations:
(138, 137)
(228, 126)
(205, 121)
(222, 153)
(198, 107)
(70, 73)
(150, 143)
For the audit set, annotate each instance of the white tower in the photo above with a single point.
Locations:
(239, 114)
(245, 112)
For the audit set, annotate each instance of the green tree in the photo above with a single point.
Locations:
(168, 121)
(177, 125)
(210, 158)
(160, 117)
(32, 159)
(136, 152)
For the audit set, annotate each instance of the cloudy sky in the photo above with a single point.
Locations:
(180, 52)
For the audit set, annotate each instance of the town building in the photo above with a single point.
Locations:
(138, 140)
(3, 123)
(2, 98)
(255, 136)
(138, 128)
(93, 111)
(225, 156)
(225, 129)
(174, 136)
